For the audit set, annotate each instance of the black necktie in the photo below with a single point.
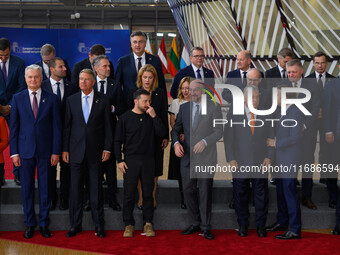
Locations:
(283, 74)
(199, 76)
(139, 63)
(58, 91)
(102, 87)
(320, 84)
(244, 81)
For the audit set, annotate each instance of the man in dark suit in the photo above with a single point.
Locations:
(129, 65)
(35, 141)
(321, 77)
(87, 63)
(62, 88)
(195, 70)
(87, 142)
(12, 81)
(246, 145)
(288, 145)
(279, 72)
(47, 53)
(295, 72)
(331, 118)
(113, 91)
(198, 149)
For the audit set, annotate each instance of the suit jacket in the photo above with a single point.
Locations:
(15, 80)
(115, 95)
(273, 76)
(30, 136)
(68, 70)
(69, 89)
(331, 107)
(83, 64)
(289, 139)
(246, 148)
(189, 71)
(204, 130)
(4, 141)
(312, 77)
(126, 72)
(92, 137)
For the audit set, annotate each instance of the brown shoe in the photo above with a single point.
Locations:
(309, 204)
(148, 230)
(128, 231)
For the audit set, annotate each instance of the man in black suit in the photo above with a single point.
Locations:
(321, 77)
(87, 63)
(87, 143)
(113, 91)
(47, 53)
(195, 70)
(61, 87)
(295, 73)
(129, 65)
(198, 149)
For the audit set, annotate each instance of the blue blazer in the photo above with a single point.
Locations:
(15, 80)
(188, 71)
(331, 107)
(68, 70)
(40, 136)
(126, 72)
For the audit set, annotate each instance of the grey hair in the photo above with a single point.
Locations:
(89, 71)
(47, 49)
(97, 59)
(33, 67)
(254, 88)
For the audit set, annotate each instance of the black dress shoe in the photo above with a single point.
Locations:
(104, 183)
(261, 231)
(243, 231)
(336, 230)
(332, 204)
(232, 204)
(100, 232)
(63, 204)
(140, 207)
(73, 231)
(276, 227)
(288, 236)
(45, 232)
(29, 232)
(17, 180)
(190, 230)
(115, 206)
(208, 235)
(272, 181)
(87, 206)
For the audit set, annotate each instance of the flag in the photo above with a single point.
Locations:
(173, 65)
(162, 55)
(148, 47)
(185, 59)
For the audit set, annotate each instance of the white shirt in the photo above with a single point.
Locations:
(323, 78)
(174, 107)
(195, 71)
(89, 100)
(298, 83)
(7, 65)
(241, 72)
(136, 60)
(280, 69)
(99, 84)
(248, 113)
(38, 96)
(46, 69)
(55, 87)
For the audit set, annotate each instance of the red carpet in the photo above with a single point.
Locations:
(8, 165)
(172, 242)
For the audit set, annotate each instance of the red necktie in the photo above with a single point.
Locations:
(35, 104)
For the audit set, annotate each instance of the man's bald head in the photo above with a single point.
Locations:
(254, 77)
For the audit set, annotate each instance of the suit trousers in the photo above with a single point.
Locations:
(110, 169)
(78, 171)
(289, 211)
(64, 181)
(198, 198)
(241, 187)
(27, 175)
(338, 211)
(145, 171)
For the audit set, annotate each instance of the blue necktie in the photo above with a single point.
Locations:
(86, 110)
(198, 74)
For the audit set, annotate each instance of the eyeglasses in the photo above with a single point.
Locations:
(198, 56)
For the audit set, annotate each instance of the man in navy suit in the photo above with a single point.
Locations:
(87, 63)
(113, 91)
(198, 149)
(60, 86)
(129, 65)
(87, 143)
(331, 118)
(195, 70)
(246, 145)
(288, 145)
(47, 53)
(12, 81)
(279, 72)
(35, 141)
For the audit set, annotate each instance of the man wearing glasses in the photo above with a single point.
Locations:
(195, 70)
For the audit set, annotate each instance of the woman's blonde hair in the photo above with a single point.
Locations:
(151, 69)
(185, 79)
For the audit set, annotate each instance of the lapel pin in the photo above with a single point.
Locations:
(43, 100)
(97, 101)
(150, 59)
(140, 119)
